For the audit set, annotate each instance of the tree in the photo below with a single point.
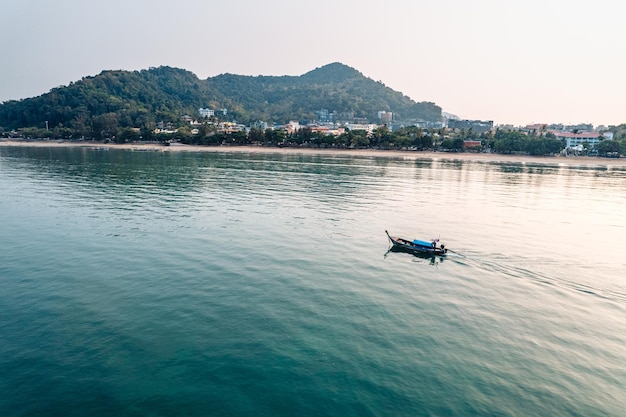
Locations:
(357, 138)
(381, 136)
(428, 142)
(275, 136)
(607, 147)
(552, 145)
(256, 135)
(105, 125)
(509, 142)
(402, 141)
(182, 133)
(147, 134)
(81, 125)
(239, 138)
(206, 129)
(127, 134)
(447, 144)
(458, 144)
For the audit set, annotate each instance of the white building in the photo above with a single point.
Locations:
(369, 128)
(574, 139)
(206, 112)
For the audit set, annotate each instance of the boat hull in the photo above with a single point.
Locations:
(404, 245)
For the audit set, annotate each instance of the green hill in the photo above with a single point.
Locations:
(334, 87)
(141, 98)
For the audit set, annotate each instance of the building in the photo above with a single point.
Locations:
(385, 116)
(259, 125)
(292, 127)
(572, 139)
(428, 125)
(477, 126)
(369, 128)
(537, 129)
(344, 117)
(206, 113)
(210, 113)
(581, 127)
(324, 116)
(230, 127)
(325, 130)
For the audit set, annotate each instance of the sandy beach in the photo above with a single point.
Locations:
(477, 157)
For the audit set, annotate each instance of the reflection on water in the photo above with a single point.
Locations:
(433, 260)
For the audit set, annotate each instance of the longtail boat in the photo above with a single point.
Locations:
(416, 246)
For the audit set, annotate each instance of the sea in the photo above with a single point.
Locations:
(261, 284)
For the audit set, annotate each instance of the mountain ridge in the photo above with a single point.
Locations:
(141, 98)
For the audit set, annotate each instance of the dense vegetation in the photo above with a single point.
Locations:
(611, 147)
(411, 137)
(382, 138)
(334, 87)
(99, 106)
(103, 105)
(617, 145)
(518, 142)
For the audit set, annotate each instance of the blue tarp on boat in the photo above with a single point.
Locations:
(423, 243)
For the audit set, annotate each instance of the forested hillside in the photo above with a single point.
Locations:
(335, 87)
(132, 99)
(98, 105)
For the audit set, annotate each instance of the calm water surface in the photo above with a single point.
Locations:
(197, 284)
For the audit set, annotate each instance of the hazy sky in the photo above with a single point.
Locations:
(508, 61)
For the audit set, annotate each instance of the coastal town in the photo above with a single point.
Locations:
(331, 107)
(345, 130)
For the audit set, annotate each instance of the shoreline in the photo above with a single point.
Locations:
(376, 153)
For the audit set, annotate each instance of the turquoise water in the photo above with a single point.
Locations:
(197, 284)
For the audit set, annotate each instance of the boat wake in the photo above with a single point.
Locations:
(551, 273)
